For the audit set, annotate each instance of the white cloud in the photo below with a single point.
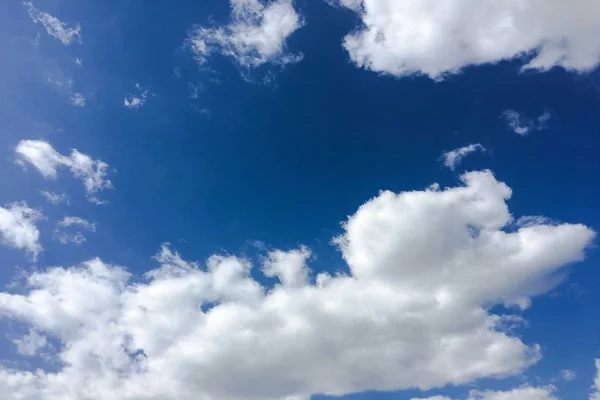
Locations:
(453, 158)
(48, 161)
(18, 229)
(522, 393)
(595, 395)
(69, 230)
(55, 198)
(30, 344)
(255, 36)
(522, 125)
(136, 101)
(79, 61)
(53, 25)
(435, 38)
(414, 311)
(567, 375)
(78, 100)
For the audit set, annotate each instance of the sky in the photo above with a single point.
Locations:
(293, 200)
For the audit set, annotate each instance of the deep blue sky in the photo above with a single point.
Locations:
(286, 162)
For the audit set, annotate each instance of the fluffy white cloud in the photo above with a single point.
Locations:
(402, 37)
(522, 125)
(69, 230)
(425, 269)
(78, 100)
(55, 198)
(30, 344)
(18, 229)
(48, 161)
(595, 395)
(256, 34)
(136, 101)
(452, 158)
(53, 25)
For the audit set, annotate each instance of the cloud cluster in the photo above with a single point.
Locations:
(48, 161)
(452, 158)
(18, 229)
(255, 36)
(522, 125)
(415, 309)
(69, 230)
(53, 25)
(435, 38)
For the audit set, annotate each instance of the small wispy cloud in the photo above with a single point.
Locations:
(567, 375)
(79, 61)
(55, 198)
(41, 155)
(452, 158)
(78, 100)
(522, 125)
(53, 25)
(69, 230)
(135, 101)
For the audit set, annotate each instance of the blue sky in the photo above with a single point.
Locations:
(278, 200)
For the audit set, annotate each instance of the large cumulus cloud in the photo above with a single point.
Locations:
(426, 267)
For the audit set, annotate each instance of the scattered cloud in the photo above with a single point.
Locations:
(416, 308)
(595, 395)
(567, 375)
(255, 36)
(439, 38)
(30, 344)
(48, 161)
(55, 198)
(53, 25)
(18, 229)
(79, 61)
(69, 230)
(137, 100)
(522, 125)
(453, 158)
(78, 100)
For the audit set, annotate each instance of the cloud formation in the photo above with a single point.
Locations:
(452, 158)
(414, 310)
(48, 162)
(400, 37)
(255, 36)
(69, 230)
(53, 25)
(522, 125)
(18, 229)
